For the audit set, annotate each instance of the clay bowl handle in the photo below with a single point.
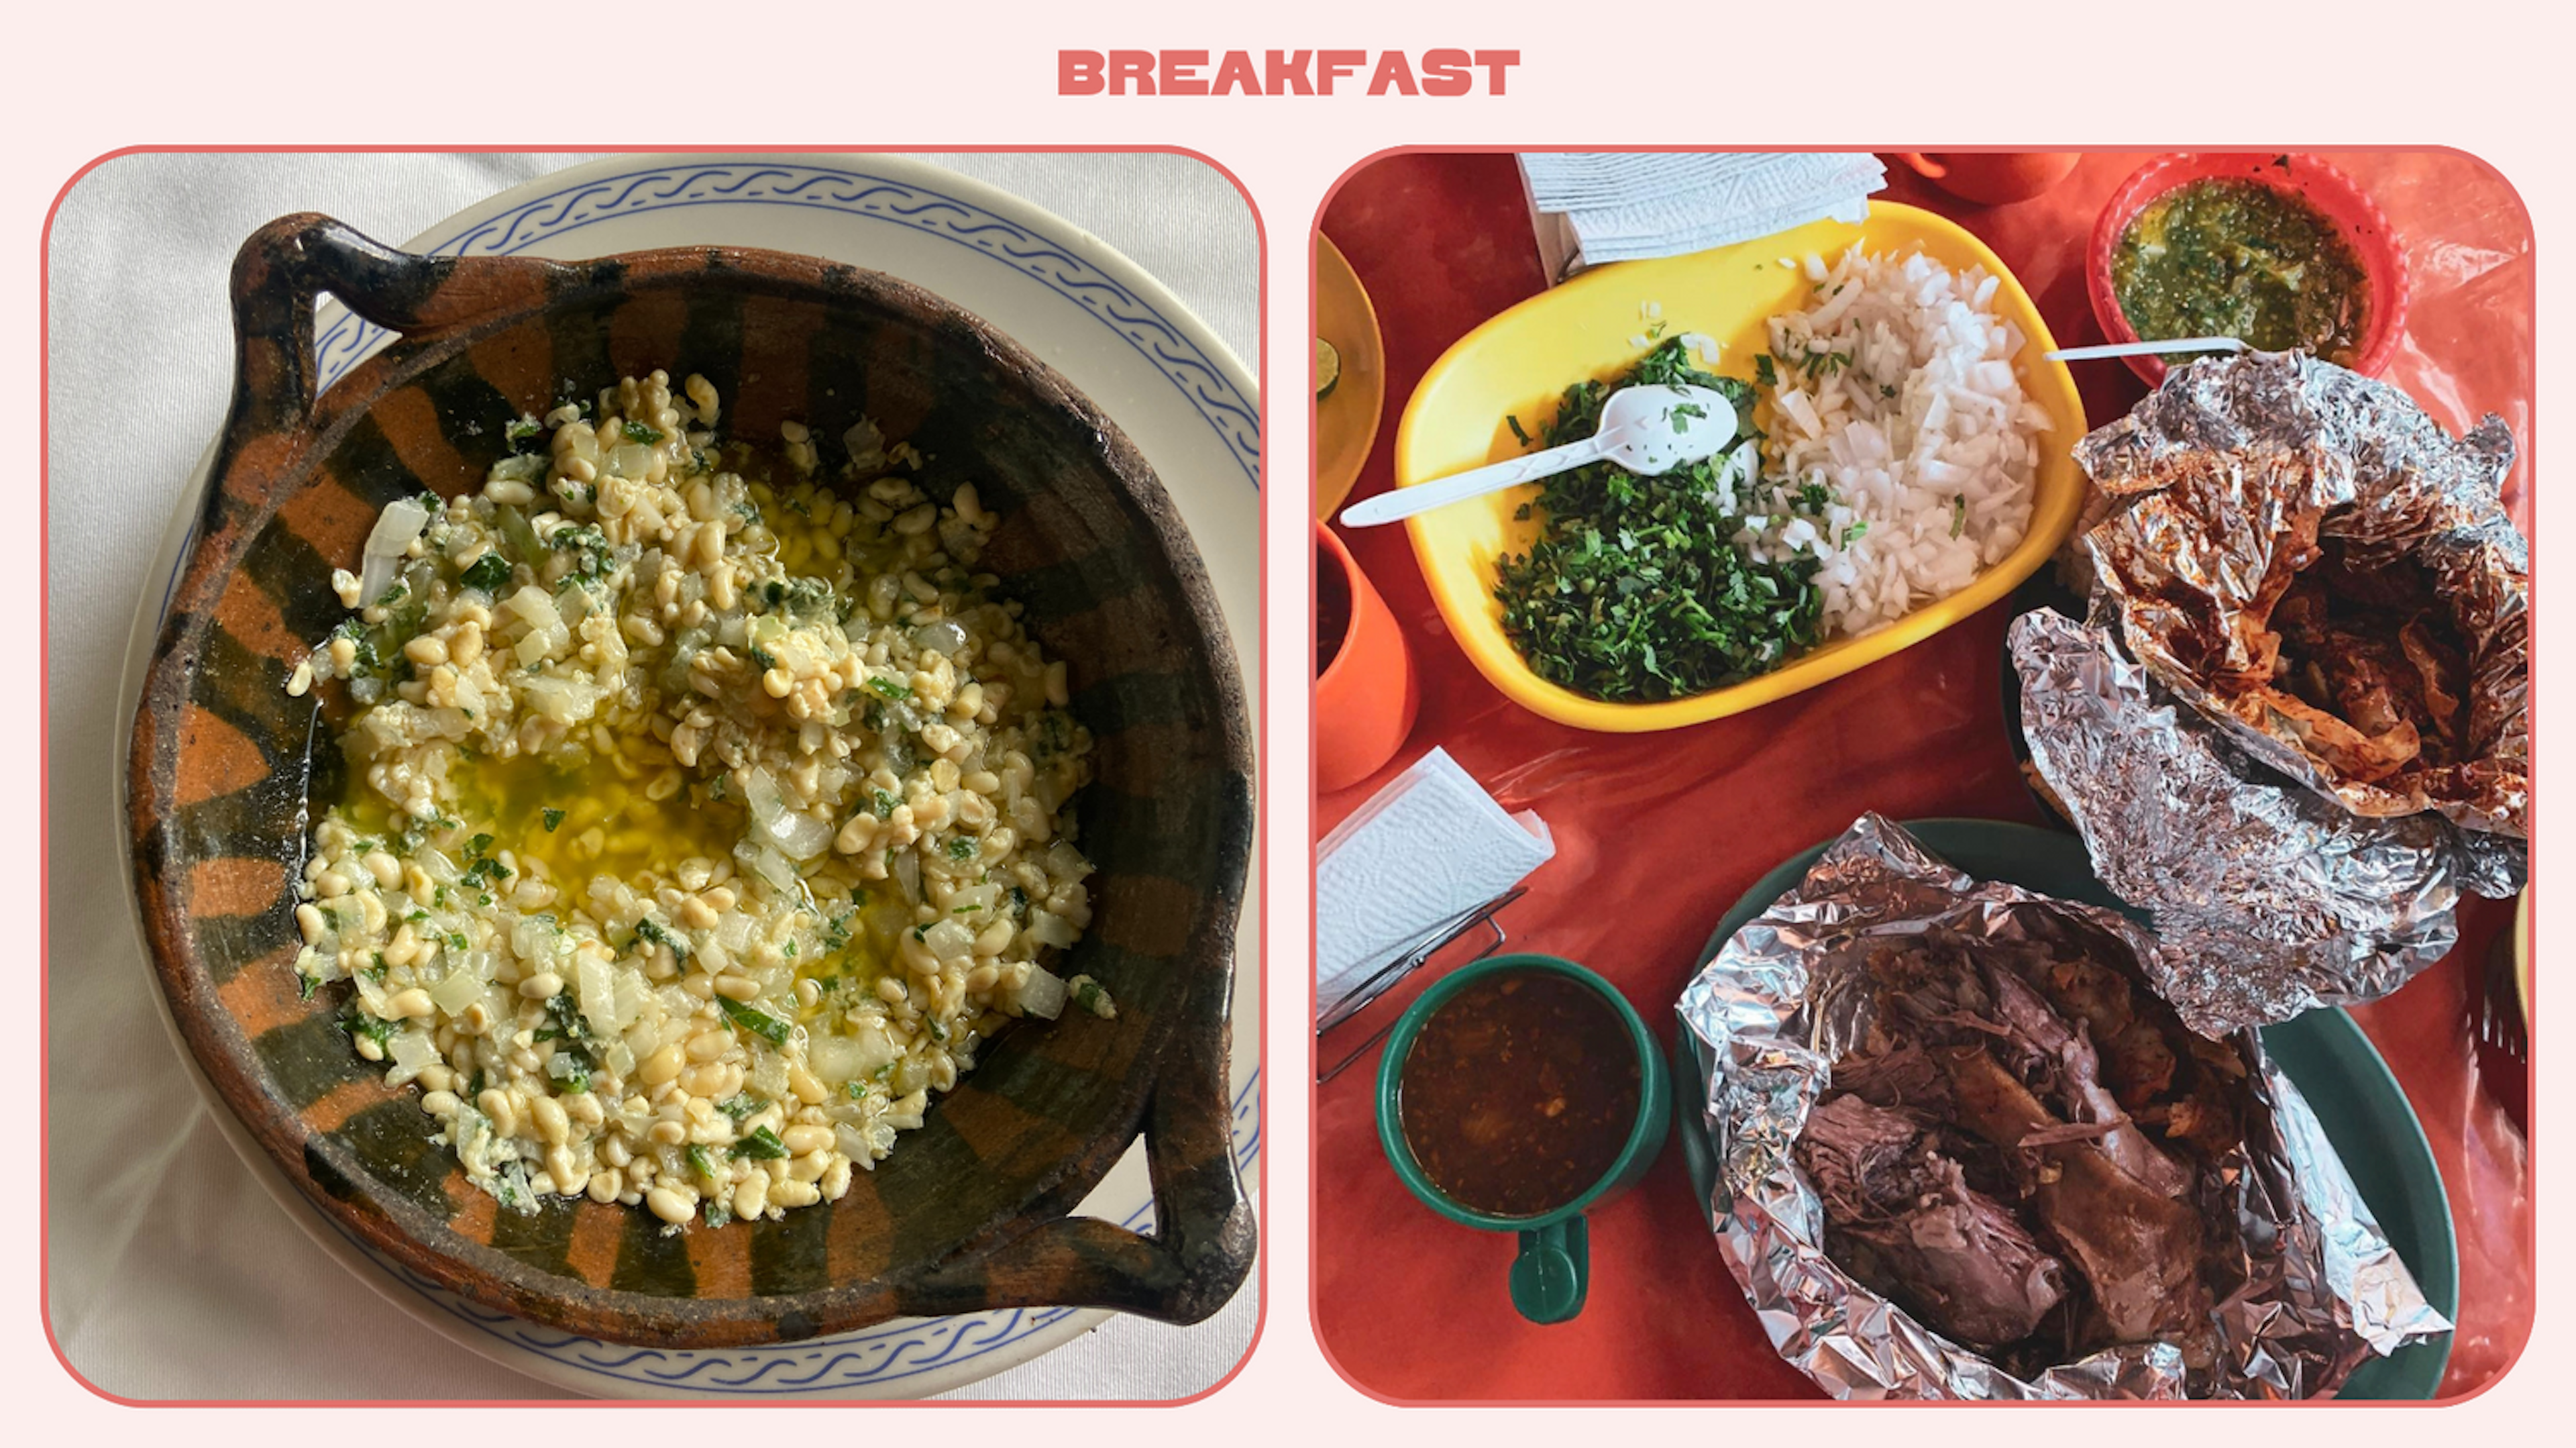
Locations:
(290, 261)
(1201, 1245)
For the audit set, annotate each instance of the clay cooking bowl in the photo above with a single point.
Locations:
(970, 1211)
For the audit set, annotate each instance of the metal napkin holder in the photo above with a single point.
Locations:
(1386, 977)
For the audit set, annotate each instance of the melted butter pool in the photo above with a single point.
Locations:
(608, 826)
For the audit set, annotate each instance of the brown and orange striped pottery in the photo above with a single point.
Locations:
(971, 1210)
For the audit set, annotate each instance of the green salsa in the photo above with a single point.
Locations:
(2240, 258)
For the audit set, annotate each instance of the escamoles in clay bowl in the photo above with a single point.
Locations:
(699, 798)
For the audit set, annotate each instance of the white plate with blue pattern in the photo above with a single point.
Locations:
(1184, 399)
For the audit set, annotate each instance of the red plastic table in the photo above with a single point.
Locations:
(1658, 834)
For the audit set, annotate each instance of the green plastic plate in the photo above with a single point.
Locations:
(2334, 1065)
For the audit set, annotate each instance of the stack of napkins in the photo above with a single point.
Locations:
(1603, 206)
(1425, 851)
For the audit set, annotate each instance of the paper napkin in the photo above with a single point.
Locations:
(1425, 850)
(1595, 207)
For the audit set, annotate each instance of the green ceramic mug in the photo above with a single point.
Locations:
(1553, 1269)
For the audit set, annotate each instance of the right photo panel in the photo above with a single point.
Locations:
(1922, 772)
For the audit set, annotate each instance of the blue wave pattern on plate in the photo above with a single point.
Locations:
(869, 1357)
(1163, 346)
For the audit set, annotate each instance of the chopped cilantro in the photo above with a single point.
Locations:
(358, 1023)
(961, 848)
(761, 1145)
(651, 929)
(1631, 591)
(802, 596)
(488, 573)
(768, 1027)
(566, 1022)
(589, 550)
(554, 817)
(1087, 993)
(890, 688)
(638, 432)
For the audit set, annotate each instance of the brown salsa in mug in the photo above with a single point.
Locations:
(1519, 1092)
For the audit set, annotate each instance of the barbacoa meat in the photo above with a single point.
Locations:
(2015, 1151)
(1903, 1213)
(2369, 666)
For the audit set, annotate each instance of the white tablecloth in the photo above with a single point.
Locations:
(172, 1274)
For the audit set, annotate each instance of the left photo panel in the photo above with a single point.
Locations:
(678, 737)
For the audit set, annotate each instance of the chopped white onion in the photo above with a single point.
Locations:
(797, 836)
(1065, 862)
(402, 521)
(459, 989)
(949, 940)
(888, 920)
(940, 636)
(1048, 928)
(598, 987)
(866, 444)
(767, 863)
(1041, 995)
(412, 1050)
(632, 993)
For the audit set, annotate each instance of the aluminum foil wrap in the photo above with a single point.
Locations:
(2313, 1285)
(2278, 882)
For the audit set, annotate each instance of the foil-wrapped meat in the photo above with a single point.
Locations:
(1961, 1152)
(2294, 724)
(2014, 1146)
(2304, 557)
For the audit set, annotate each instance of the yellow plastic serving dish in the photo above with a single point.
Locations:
(1521, 362)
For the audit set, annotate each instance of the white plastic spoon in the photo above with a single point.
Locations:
(1648, 430)
(2149, 349)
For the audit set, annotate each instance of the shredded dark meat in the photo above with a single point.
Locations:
(2016, 1151)
(2368, 667)
(2354, 657)
(1965, 1263)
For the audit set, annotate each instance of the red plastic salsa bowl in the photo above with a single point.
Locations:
(2329, 191)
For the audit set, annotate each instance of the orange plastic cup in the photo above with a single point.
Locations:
(1365, 691)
